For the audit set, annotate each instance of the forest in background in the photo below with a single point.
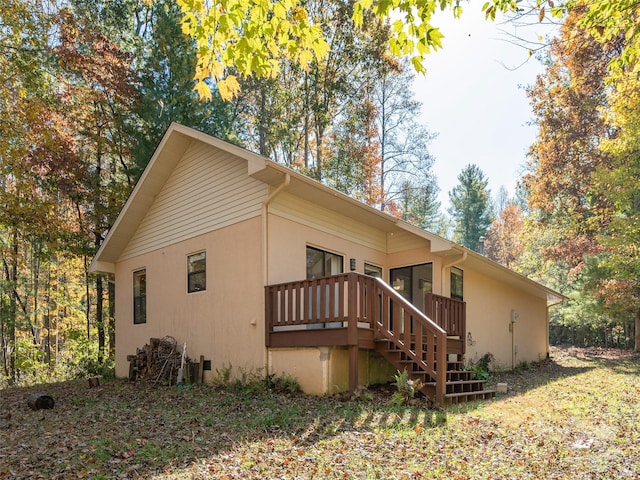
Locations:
(89, 87)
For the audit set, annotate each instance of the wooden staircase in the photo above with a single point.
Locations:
(361, 312)
(460, 384)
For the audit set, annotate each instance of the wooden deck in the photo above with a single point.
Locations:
(362, 312)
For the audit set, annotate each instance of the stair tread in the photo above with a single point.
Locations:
(397, 352)
(462, 382)
(457, 382)
(462, 394)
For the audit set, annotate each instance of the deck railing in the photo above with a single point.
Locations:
(316, 303)
(450, 314)
(354, 301)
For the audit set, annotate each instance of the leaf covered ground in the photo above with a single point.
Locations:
(574, 416)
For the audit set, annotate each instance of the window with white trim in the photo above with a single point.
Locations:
(140, 296)
(197, 272)
(457, 277)
(321, 263)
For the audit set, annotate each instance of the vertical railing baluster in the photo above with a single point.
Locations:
(290, 317)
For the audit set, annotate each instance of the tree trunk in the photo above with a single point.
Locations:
(307, 121)
(99, 317)
(4, 314)
(13, 309)
(636, 347)
(262, 128)
(87, 308)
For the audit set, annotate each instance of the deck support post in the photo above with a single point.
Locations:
(441, 370)
(352, 331)
(353, 368)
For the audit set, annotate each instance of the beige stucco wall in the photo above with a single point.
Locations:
(489, 306)
(225, 323)
(288, 241)
(325, 370)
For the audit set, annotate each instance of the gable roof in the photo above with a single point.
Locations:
(177, 140)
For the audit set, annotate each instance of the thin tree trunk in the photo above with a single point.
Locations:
(87, 311)
(99, 317)
(3, 335)
(13, 309)
(262, 129)
(112, 317)
(636, 347)
(307, 118)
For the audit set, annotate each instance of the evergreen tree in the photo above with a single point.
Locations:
(471, 207)
(419, 204)
(167, 62)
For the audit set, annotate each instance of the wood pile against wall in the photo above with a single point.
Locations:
(159, 361)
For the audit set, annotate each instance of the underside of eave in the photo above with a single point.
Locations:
(102, 267)
(555, 298)
(499, 272)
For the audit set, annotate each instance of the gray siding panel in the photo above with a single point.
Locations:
(208, 190)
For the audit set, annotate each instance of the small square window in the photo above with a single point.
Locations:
(140, 297)
(372, 270)
(196, 272)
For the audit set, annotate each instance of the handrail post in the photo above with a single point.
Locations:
(463, 327)
(352, 330)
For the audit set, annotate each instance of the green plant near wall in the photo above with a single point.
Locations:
(406, 388)
(480, 369)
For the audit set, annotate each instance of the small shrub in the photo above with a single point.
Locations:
(480, 369)
(478, 372)
(254, 383)
(223, 375)
(248, 383)
(406, 388)
(284, 383)
(363, 394)
(485, 360)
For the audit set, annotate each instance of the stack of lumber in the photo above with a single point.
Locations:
(157, 362)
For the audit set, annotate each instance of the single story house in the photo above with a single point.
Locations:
(260, 268)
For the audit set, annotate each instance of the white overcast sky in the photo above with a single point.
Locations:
(473, 98)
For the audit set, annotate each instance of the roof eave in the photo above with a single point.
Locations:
(552, 297)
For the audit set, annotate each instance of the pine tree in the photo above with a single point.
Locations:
(471, 207)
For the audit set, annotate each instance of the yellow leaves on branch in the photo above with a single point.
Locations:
(228, 87)
(251, 37)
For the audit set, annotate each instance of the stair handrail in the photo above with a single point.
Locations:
(355, 297)
(436, 347)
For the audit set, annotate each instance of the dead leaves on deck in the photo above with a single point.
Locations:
(575, 417)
